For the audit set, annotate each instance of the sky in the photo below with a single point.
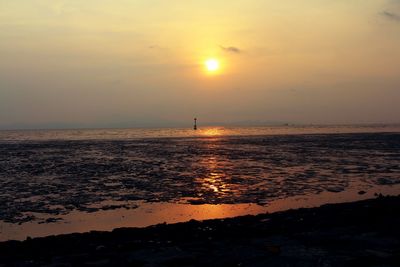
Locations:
(139, 63)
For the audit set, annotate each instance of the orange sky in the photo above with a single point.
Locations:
(98, 63)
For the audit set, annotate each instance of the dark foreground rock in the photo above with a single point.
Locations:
(364, 233)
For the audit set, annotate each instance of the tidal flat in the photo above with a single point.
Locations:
(63, 186)
(364, 233)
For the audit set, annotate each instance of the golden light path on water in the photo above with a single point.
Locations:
(212, 131)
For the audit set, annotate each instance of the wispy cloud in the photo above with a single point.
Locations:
(231, 49)
(391, 15)
(154, 47)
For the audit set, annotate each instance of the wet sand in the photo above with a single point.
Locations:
(364, 233)
(63, 186)
(147, 214)
(56, 178)
(52, 187)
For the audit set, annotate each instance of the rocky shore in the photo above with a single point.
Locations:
(364, 233)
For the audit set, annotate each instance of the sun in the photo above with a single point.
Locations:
(212, 65)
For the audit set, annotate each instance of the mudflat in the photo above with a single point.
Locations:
(363, 233)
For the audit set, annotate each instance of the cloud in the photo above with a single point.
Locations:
(391, 16)
(153, 47)
(231, 49)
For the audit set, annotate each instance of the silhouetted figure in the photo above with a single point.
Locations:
(195, 124)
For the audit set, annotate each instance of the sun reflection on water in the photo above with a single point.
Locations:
(213, 182)
(211, 132)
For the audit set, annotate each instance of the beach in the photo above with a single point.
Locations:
(58, 184)
(143, 199)
(364, 233)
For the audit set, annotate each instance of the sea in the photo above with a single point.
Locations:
(65, 181)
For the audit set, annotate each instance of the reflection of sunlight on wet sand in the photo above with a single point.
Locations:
(310, 201)
(154, 213)
(213, 181)
(215, 178)
(147, 214)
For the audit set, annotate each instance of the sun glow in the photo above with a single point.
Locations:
(211, 132)
(212, 65)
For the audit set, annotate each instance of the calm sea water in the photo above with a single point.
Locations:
(137, 133)
(60, 181)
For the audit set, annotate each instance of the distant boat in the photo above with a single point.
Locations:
(195, 124)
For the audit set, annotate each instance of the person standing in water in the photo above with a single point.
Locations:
(195, 124)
